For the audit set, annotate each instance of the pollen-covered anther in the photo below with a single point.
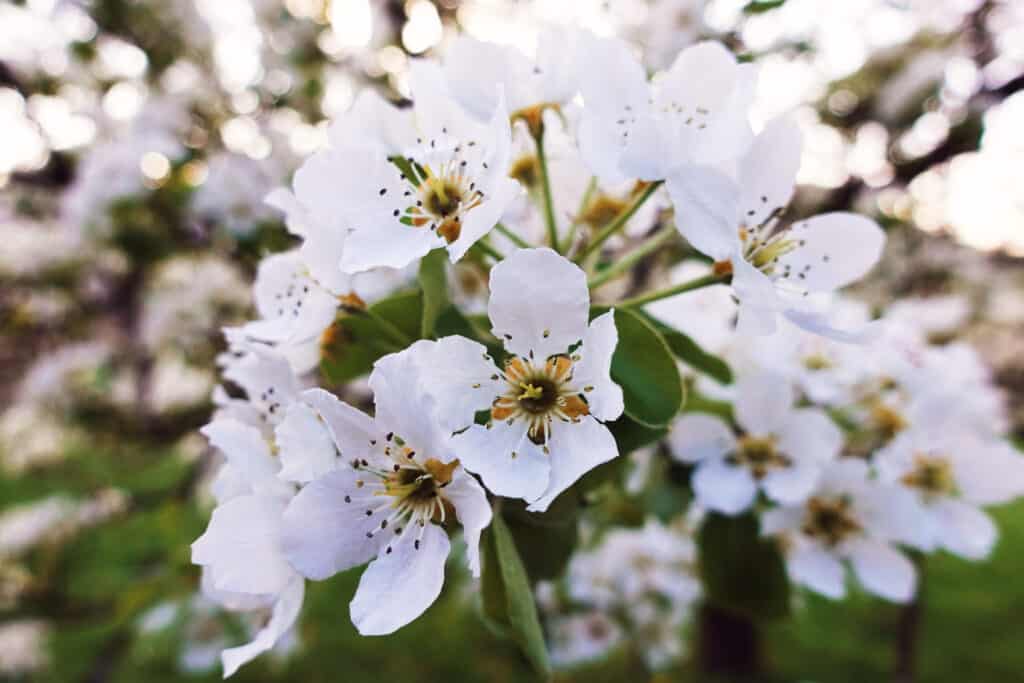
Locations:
(539, 394)
(722, 268)
(887, 421)
(352, 301)
(931, 474)
(442, 198)
(760, 455)
(830, 520)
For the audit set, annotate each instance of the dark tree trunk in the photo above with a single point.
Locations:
(728, 643)
(908, 630)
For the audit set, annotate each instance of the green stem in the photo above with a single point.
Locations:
(489, 250)
(658, 294)
(570, 236)
(549, 203)
(401, 338)
(618, 222)
(627, 261)
(515, 239)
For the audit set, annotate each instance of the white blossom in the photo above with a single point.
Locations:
(735, 219)
(388, 500)
(781, 451)
(549, 401)
(848, 519)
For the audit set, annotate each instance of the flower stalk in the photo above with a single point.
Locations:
(514, 238)
(618, 222)
(629, 260)
(547, 199)
(659, 294)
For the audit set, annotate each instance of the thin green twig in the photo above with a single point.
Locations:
(630, 259)
(618, 222)
(658, 294)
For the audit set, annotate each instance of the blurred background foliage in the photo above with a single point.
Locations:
(109, 329)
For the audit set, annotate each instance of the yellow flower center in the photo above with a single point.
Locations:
(932, 474)
(830, 520)
(760, 455)
(539, 394)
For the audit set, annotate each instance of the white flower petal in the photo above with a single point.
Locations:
(326, 529)
(317, 194)
(291, 304)
(400, 585)
(723, 488)
(473, 69)
(539, 302)
(352, 430)
(489, 453)
(593, 371)
(305, 446)
(373, 121)
(897, 514)
(615, 92)
(643, 156)
(707, 209)
(484, 217)
(837, 249)
(705, 91)
(598, 140)
(285, 611)
(433, 106)
(473, 511)
(756, 291)
(389, 244)
(576, 448)
(248, 453)
(698, 436)
(776, 520)
(612, 77)
(402, 404)
(296, 216)
(768, 171)
(882, 569)
(321, 252)
(993, 474)
(755, 322)
(791, 485)
(810, 436)
(558, 52)
(964, 529)
(817, 569)
(458, 373)
(764, 402)
(242, 546)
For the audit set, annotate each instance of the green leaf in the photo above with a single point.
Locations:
(631, 435)
(403, 310)
(645, 369)
(741, 570)
(452, 321)
(433, 278)
(507, 597)
(759, 6)
(355, 341)
(690, 352)
(546, 540)
(697, 402)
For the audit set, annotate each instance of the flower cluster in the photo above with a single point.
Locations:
(414, 220)
(851, 452)
(639, 584)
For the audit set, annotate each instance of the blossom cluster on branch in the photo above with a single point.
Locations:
(475, 253)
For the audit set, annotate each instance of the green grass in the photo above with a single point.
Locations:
(972, 628)
(95, 587)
